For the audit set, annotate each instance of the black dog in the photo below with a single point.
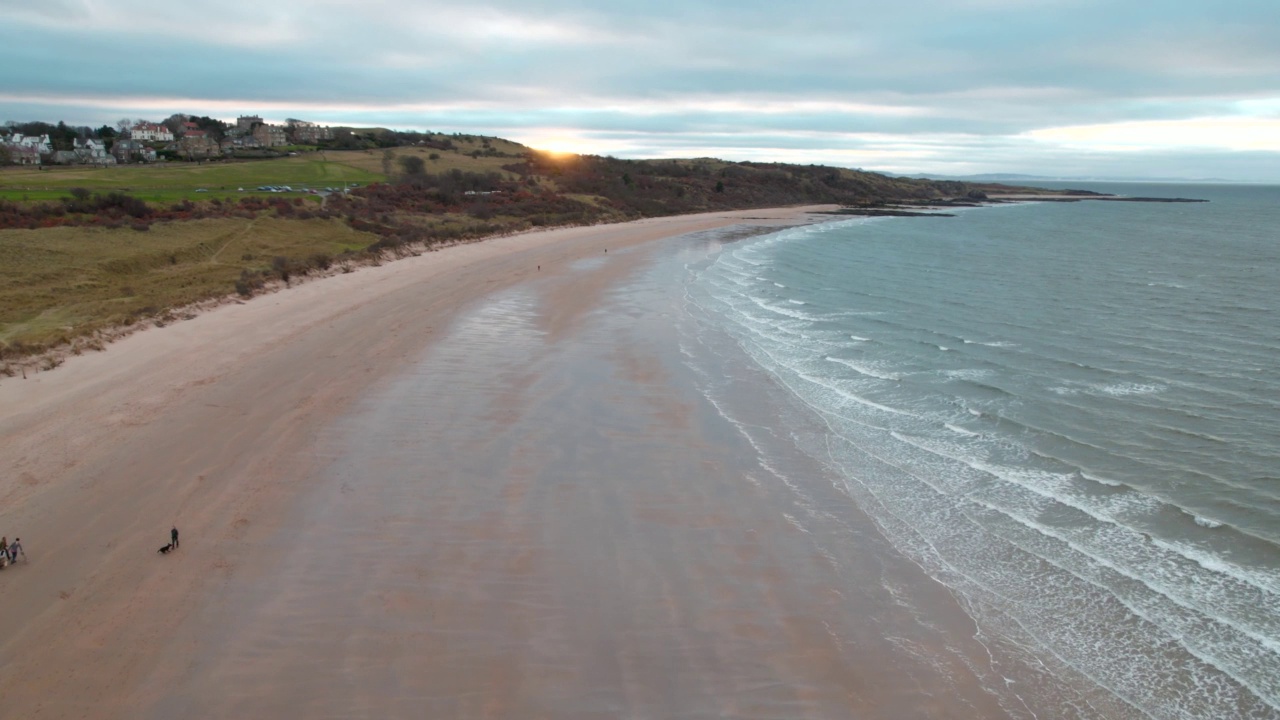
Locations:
(164, 550)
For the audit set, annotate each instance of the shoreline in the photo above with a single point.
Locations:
(544, 515)
(203, 424)
(19, 368)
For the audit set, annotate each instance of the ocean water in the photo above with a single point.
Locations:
(1067, 414)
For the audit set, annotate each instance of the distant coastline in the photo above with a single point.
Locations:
(932, 208)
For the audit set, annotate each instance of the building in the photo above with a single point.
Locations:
(92, 152)
(235, 141)
(150, 132)
(198, 144)
(27, 149)
(127, 151)
(270, 135)
(307, 133)
(247, 122)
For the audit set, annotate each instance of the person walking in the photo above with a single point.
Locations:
(173, 537)
(16, 549)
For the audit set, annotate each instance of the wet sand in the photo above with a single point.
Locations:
(452, 486)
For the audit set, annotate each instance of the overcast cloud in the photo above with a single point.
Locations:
(1056, 87)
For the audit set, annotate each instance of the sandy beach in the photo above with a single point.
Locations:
(466, 484)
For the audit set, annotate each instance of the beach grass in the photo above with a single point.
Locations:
(57, 284)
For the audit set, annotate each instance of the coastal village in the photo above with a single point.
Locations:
(178, 138)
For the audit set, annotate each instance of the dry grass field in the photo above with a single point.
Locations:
(371, 161)
(60, 284)
(57, 284)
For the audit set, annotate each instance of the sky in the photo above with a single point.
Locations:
(1066, 88)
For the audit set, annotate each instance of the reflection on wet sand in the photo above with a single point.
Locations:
(542, 518)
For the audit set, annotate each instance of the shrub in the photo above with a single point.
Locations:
(282, 267)
(248, 283)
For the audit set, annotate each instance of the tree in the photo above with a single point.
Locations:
(174, 123)
(413, 165)
(63, 137)
(216, 128)
(719, 186)
(344, 139)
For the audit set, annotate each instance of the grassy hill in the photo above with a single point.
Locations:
(87, 249)
(172, 181)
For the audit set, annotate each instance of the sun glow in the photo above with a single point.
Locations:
(559, 145)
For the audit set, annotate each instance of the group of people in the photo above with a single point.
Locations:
(9, 552)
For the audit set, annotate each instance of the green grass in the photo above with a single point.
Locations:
(169, 182)
(60, 283)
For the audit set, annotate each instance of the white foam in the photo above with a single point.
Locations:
(968, 374)
(765, 305)
(859, 338)
(822, 382)
(1101, 481)
(1268, 580)
(865, 369)
(1178, 603)
(1125, 389)
(960, 430)
(1204, 522)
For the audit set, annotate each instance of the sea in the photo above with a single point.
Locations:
(1068, 414)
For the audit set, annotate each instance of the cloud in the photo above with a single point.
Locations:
(1043, 81)
(1216, 133)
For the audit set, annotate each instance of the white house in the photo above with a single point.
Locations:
(93, 152)
(150, 132)
(26, 149)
